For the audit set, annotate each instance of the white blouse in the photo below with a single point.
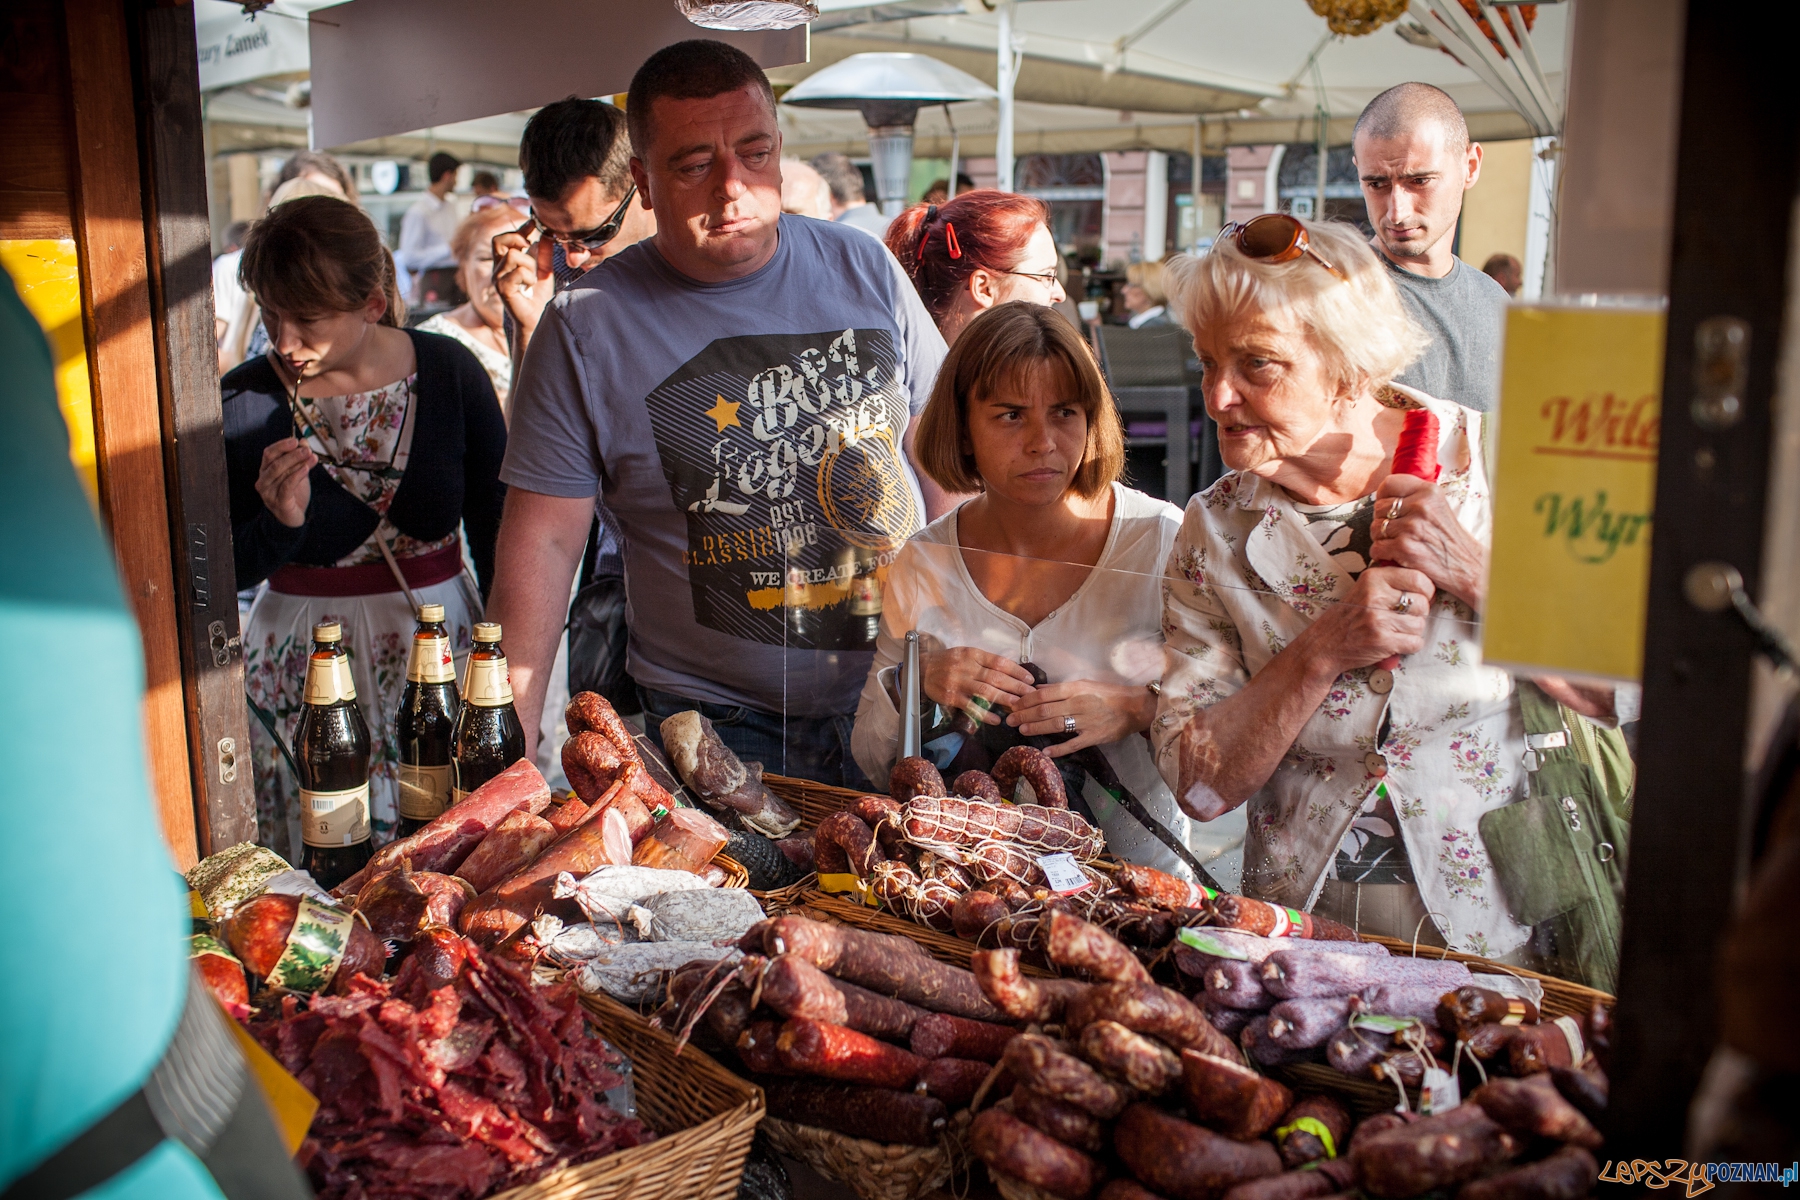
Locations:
(1109, 631)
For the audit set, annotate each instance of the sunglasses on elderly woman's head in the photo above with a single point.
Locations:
(1274, 238)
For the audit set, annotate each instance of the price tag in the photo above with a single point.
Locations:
(1063, 874)
(1439, 1092)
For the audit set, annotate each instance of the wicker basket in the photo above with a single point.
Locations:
(1017, 1189)
(703, 1114)
(874, 1170)
(814, 801)
(780, 900)
(736, 876)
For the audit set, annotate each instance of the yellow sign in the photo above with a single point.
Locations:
(1574, 484)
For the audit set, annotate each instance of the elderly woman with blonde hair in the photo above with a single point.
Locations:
(1323, 665)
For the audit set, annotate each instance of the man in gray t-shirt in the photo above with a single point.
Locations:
(1415, 160)
(739, 387)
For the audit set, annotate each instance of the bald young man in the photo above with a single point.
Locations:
(1415, 161)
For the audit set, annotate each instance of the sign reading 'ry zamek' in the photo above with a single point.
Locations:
(1574, 484)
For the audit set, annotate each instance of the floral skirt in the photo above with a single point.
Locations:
(378, 636)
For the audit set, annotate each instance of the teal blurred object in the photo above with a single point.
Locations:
(93, 969)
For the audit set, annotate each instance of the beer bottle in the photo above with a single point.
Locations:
(423, 726)
(331, 749)
(488, 737)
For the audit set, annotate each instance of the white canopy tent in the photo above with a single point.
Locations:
(1248, 71)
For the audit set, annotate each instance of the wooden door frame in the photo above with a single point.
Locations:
(1738, 163)
(179, 233)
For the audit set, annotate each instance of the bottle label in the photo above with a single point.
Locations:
(328, 679)
(331, 819)
(430, 660)
(487, 683)
(424, 791)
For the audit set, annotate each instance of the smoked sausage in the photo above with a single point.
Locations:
(1183, 1161)
(1225, 1095)
(1011, 1147)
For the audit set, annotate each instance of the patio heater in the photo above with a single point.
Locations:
(889, 90)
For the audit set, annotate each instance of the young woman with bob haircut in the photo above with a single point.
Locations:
(1054, 563)
(357, 452)
(983, 248)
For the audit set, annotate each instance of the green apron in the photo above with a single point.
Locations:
(1559, 853)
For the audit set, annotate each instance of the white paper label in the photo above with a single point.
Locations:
(1439, 1092)
(1571, 1031)
(1063, 874)
(1206, 943)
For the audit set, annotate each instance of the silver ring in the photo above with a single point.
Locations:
(1394, 509)
(1403, 604)
(1068, 724)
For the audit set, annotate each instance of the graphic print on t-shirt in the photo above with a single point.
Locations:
(784, 452)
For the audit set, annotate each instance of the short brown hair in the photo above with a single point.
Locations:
(697, 69)
(315, 255)
(992, 355)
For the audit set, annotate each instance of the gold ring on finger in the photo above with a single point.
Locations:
(1404, 604)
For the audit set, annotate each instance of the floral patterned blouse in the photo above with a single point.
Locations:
(1245, 577)
(364, 440)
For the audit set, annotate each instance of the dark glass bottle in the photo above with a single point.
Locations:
(488, 737)
(331, 748)
(425, 723)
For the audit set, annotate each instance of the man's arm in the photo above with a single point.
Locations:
(541, 542)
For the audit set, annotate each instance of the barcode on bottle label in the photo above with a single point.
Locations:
(331, 819)
(1063, 874)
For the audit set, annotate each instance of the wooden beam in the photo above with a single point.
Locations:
(121, 345)
(180, 257)
(1711, 487)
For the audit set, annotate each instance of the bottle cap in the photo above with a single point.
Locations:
(487, 631)
(328, 631)
(431, 612)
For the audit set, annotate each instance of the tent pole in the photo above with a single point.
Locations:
(1195, 210)
(1003, 141)
(954, 147)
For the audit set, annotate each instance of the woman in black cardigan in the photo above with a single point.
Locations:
(352, 442)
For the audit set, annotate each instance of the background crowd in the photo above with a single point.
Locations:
(730, 413)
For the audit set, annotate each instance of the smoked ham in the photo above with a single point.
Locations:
(684, 840)
(511, 847)
(455, 832)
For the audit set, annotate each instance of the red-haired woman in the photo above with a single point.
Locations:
(980, 249)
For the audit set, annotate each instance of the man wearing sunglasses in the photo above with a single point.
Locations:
(740, 388)
(576, 157)
(1415, 161)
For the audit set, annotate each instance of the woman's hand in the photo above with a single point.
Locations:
(283, 484)
(1427, 537)
(1103, 712)
(1593, 701)
(1384, 614)
(952, 676)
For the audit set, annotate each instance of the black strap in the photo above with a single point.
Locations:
(1095, 764)
(110, 1145)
